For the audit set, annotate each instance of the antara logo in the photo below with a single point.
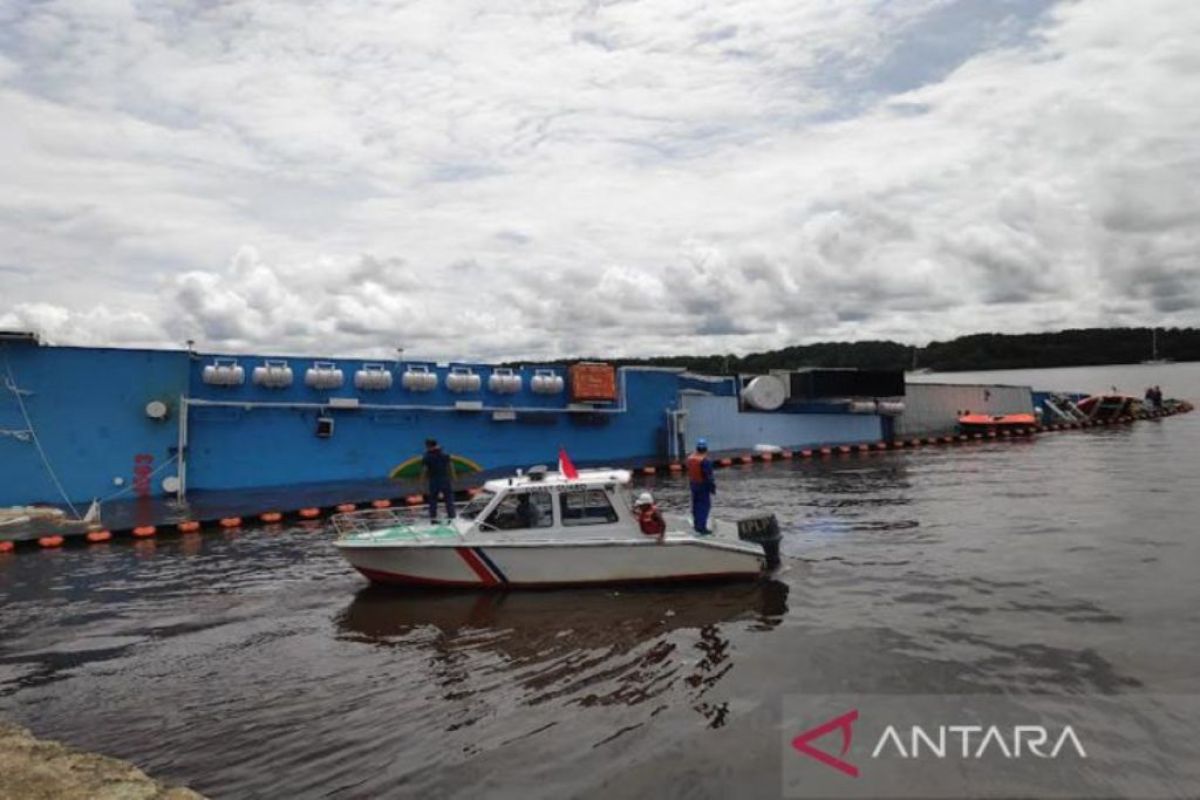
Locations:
(940, 742)
(845, 723)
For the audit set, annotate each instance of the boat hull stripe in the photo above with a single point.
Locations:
(382, 576)
(491, 564)
(477, 566)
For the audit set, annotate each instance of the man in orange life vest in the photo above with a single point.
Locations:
(649, 518)
(700, 478)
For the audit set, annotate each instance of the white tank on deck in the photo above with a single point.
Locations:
(373, 378)
(224, 372)
(504, 381)
(273, 375)
(546, 381)
(766, 393)
(462, 379)
(418, 378)
(323, 375)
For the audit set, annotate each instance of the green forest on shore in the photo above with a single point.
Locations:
(980, 351)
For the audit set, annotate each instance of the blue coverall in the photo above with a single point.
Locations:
(704, 486)
(440, 472)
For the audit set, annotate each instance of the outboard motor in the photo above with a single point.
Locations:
(763, 530)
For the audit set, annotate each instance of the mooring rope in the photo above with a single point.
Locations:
(148, 476)
(37, 442)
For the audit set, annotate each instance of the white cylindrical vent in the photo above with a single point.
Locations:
(224, 372)
(462, 379)
(765, 393)
(418, 378)
(545, 381)
(323, 375)
(504, 381)
(373, 378)
(273, 375)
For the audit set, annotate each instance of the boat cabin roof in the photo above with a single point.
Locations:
(597, 478)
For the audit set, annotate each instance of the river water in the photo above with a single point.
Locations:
(256, 664)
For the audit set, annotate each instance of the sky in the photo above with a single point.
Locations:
(480, 180)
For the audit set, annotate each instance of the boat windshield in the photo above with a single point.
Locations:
(477, 504)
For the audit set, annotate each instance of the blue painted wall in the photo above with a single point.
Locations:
(718, 420)
(87, 406)
(237, 447)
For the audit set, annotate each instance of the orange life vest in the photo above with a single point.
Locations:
(695, 468)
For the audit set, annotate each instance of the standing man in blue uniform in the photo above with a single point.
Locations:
(700, 478)
(438, 472)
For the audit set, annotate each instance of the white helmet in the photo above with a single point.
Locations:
(644, 499)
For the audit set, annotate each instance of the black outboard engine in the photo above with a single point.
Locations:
(763, 530)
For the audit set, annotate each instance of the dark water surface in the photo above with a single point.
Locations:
(258, 665)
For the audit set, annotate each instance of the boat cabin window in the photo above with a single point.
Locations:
(591, 507)
(476, 505)
(521, 510)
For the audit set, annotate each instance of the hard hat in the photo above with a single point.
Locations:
(702, 444)
(644, 499)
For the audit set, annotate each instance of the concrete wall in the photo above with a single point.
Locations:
(935, 407)
(718, 420)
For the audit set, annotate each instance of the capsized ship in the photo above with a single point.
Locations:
(162, 435)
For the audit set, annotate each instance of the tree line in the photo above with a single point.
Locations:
(980, 351)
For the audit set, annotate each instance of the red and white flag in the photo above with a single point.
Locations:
(565, 466)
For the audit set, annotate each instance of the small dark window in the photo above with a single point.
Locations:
(591, 507)
(521, 511)
(324, 427)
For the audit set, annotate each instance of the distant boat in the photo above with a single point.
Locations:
(1154, 359)
(1109, 406)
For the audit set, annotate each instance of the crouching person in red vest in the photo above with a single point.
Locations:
(649, 518)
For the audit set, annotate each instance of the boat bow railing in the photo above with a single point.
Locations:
(377, 521)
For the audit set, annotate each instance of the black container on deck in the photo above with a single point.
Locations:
(821, 384)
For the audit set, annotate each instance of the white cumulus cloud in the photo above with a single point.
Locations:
(471, 180)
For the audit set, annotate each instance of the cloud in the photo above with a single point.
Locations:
(473, 181)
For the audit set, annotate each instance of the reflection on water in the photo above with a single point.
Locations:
(255, 663)
(546, 621)
(593, 647)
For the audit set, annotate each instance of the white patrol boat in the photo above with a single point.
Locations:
(542, 529)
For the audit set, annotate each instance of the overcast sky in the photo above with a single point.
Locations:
(488, 180)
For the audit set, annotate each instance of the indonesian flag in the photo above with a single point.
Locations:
(565, 466)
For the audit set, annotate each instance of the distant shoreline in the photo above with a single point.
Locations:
(1171, 363)
(980, 352)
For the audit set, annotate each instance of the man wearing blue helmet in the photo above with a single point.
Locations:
(700, 478)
